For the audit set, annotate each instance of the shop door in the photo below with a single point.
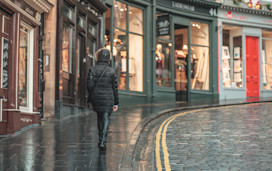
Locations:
(181, 61)
(80, 71)
(252, 66)
(5, 44)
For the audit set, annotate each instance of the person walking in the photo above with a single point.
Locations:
(103, 92)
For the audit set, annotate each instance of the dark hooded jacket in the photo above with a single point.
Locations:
(105, 94)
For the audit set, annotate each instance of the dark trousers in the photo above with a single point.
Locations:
(103, 120)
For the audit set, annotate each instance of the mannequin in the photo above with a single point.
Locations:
(159, 63)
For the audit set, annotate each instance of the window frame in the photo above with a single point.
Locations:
(128, 32)
(30, 68)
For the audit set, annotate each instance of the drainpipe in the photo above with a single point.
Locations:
(40, 70)
(153, 48)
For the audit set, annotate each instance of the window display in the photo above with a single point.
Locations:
(232, 59)
(267, 59)
(127, 46)
(23, 66)
(67, 49)
(163, 53)
(200, 56)
(163, 63)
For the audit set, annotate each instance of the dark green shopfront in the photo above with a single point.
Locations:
(163, 50)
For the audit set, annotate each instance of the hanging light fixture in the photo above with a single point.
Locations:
(249, 4)
(258, 5)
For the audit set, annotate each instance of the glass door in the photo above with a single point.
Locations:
(181, 61)
(80, 71)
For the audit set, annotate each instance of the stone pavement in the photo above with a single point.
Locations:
(71, 144)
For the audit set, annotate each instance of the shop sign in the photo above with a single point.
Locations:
(231, 15)
(27, 8)
(187, 7)
(163, 25)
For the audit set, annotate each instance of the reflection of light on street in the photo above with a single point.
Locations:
(29, 152)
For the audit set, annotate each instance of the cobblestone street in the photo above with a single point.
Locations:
(224, 138)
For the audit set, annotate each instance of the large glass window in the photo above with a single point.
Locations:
(127, 45)
(163, 52)
(25, 62)
(200, 55)
(67, 49)
(267, 59)
(91, 51)
(67, 11)
(232, 58)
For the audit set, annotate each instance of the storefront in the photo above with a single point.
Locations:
(163, 50)
(245, 53)
(72, 35)
(19, 34)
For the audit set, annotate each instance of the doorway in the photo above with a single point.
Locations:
(252, 66)
(181, 62)
(80, 71)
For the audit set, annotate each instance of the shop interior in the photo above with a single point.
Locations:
(267, 59)
(232, 58)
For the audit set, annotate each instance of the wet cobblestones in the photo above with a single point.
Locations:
(228, 138)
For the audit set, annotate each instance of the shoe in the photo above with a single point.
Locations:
(102, 146)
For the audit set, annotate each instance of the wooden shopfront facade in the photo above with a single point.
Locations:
(74, 29)
(19, 42)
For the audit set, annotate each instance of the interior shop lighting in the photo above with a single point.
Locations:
(258, 5)
(250, 5)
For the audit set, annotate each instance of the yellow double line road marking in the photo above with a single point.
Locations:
(161, 137)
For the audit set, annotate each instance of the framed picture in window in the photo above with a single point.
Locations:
(225, 51)
(236, 53)
(226, 74)
(237, 65)
(226, 64)
(237, 77)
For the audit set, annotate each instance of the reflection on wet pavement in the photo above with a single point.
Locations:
(71, 144)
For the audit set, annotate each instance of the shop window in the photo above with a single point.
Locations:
(107, 28)
(91, 51)
(135, 20)
(163, 53)
(25, 83)
(92, 29)
(67, 11)
(120, 15)
(200, 56)
(163, 63)
(81, 21)
(120, 55)
(67, 49)
(232, 58)
(267, 59)
(127, 47)
(135, 62)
